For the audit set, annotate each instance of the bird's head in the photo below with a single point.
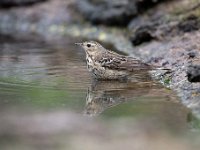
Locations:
(91, 47)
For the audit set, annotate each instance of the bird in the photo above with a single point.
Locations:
(105, 64)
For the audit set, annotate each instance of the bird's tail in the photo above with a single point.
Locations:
(160, 68)
(155, 67)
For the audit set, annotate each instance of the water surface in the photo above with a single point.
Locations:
(52, 78)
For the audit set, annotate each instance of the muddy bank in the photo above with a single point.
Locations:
(165, 34)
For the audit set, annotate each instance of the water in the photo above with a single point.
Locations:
(45, 89)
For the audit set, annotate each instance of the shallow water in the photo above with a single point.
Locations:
(44, 79)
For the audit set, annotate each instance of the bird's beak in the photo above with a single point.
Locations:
(79, 44)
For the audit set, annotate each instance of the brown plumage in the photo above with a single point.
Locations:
(105, 64)
(113, 60)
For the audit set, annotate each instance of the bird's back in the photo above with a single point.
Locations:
(114, 61)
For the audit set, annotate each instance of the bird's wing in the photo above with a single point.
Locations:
(119, 62)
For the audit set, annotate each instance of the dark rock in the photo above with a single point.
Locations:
(108, 12)
(189, 24)
(193, 73)
(164, 26)
(160, 28)
(143, 5)
(142, 34)
(113, 12)
(11, 3)
(192, 54)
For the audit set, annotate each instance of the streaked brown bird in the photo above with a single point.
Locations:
(104, 64)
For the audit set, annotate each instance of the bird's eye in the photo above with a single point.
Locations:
(88, 45)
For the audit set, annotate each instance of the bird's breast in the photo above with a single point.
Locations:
(90, 63)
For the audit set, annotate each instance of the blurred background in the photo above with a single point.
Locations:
(48, 99)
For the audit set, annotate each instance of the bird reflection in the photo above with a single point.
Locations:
(103, 95)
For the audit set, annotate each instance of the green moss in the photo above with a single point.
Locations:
(167, 81)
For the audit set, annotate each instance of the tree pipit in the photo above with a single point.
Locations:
(104, 64)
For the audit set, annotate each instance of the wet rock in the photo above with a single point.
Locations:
(11, 3)
(193, 73)
(113, 12)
